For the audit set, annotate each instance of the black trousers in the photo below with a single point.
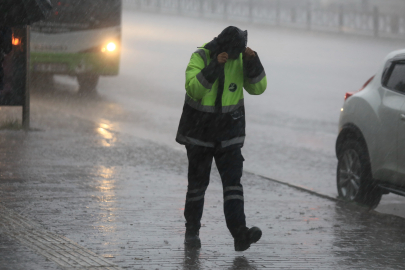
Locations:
(230, 166)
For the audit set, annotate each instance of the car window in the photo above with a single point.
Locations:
(396, 80)
(386, 69)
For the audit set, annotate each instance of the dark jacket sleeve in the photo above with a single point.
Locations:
(253, 67)
(255, 80)
(200, 78)
(211, 72)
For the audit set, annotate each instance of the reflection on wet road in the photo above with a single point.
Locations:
(106, 134)
(192, 261)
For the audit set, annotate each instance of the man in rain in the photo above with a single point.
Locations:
(212, 125)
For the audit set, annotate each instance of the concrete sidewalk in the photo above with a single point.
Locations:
(77, 195)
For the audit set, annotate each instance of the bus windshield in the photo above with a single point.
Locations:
(81, 38)
(75, 15)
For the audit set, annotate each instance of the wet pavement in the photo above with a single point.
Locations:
(76, 194)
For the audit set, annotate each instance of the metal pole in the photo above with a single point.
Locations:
(376, 21)
(394, 24)
(293, 15)
(251, 10)
(341, 19)
(226, 9)
(179, 7)
(201, 7)
(212, 5)
(309, 15)
(159, 6)
(278, 8)
(26, 107)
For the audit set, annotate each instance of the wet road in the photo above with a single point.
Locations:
(291, 129)
(120, 198)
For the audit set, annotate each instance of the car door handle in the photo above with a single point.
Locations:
(403, 117)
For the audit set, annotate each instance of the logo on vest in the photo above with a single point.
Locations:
(233, 87)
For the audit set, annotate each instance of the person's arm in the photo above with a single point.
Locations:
(255, 80)
(200, 78)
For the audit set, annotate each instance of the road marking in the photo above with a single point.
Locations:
(55, 247)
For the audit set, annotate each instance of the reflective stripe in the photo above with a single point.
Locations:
(233, 197)
(197, 190)
(189, 140)
(196, 198)
(201, 52)
(193, 141)
(232, 141)
(231, 108)
(200, 77)
(211, 109)
(198, 106)
(233, 188)
(258, 78)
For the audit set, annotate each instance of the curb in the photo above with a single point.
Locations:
(296, 187)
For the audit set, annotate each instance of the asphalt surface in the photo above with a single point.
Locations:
(75, 194)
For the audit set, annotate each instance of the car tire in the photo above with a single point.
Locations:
(88, 83)
(354, 178)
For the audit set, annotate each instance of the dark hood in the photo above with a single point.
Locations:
(232, 40)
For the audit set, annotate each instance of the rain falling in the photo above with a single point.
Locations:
(202, 134)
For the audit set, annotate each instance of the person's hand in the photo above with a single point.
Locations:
(249, 54)
(222, 58)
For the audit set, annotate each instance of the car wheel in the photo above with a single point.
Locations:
(354, 179)
(88, 83)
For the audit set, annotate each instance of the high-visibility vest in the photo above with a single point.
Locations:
(213, 112)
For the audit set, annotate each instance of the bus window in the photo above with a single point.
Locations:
(81, 38)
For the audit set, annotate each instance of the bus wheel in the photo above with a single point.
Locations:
(88, 83)
(42, 81)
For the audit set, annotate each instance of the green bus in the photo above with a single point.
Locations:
(81, 38)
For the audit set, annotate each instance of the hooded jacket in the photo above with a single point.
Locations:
(213, 112)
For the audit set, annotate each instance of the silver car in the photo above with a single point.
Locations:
(371, 143)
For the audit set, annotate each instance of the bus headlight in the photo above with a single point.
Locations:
(111, 47)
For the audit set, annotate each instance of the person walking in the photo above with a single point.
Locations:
(212, 126)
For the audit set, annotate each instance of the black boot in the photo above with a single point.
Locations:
(246, 237)
(192, 239)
